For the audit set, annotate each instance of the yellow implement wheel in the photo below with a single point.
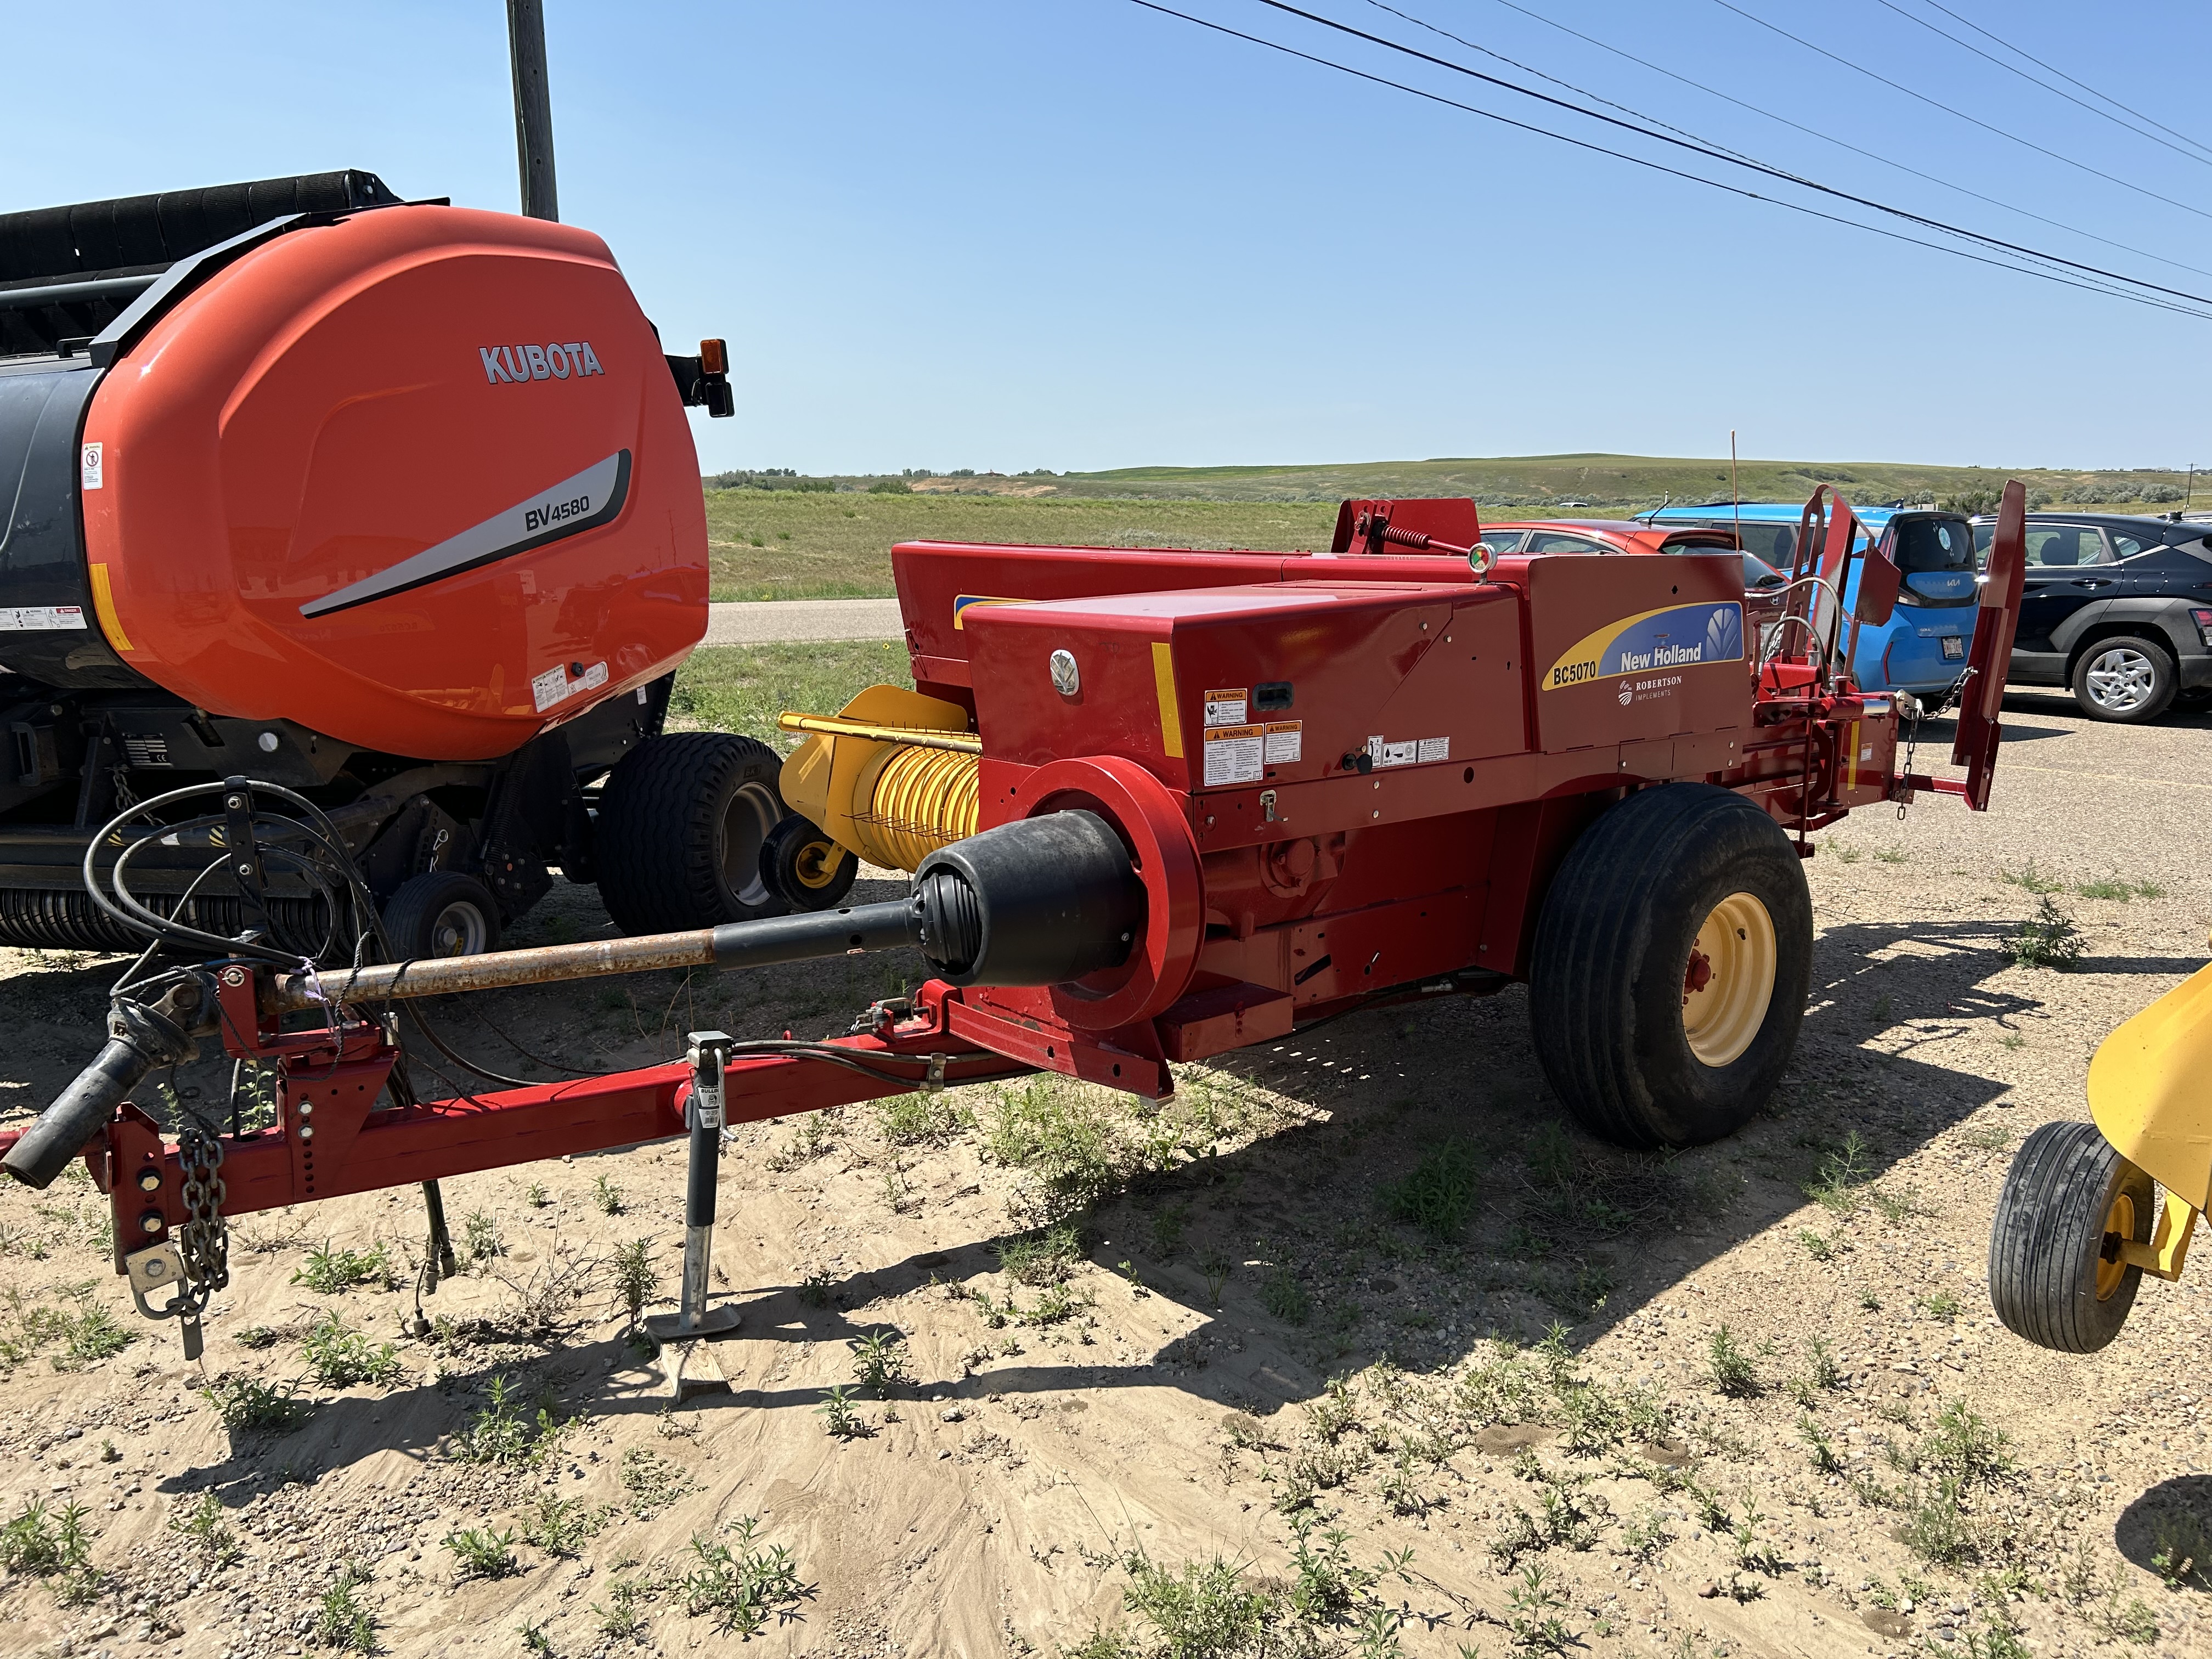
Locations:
(2069, 1202)
(1729, 980)
(807, 869)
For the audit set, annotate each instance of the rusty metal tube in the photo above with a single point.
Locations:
(733, 945)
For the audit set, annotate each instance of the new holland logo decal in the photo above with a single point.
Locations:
(1678, 636)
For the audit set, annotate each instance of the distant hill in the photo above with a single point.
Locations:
(1620, 481)
(1551, 482)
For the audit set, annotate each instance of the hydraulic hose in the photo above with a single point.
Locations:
(141, 1038)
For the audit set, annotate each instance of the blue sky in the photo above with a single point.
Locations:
(1075, 234)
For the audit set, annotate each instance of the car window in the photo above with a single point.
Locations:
(1553, 541)
(1933, 544)
(2125, 546)
(1758, 573)
(2057, 545)
(1504, 541)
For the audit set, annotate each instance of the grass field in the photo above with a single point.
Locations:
(783, 543)
(743, 688)
(764, 544)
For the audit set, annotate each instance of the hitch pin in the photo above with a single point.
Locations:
(1268, 804)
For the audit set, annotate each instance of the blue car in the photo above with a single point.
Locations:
(1922, 647)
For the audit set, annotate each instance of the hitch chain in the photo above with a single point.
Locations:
(1955, 693)
(203, 1241)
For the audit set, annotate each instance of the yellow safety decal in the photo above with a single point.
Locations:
(962, 602)
(103, 605)
(1852, 776)
(1170, 722)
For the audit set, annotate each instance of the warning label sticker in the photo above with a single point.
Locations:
(557, 685)
(1227, 708)
(1413, 752)
(29, 618)
(1234, 754)
(1284, 740)
(92, 471)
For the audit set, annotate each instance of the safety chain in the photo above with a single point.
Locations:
(1953, 694)
(203, 1242)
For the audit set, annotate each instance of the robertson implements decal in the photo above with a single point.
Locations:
(1680, 635)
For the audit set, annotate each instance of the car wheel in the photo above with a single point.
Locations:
(2126, 680)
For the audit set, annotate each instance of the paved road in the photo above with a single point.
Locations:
(803, 619)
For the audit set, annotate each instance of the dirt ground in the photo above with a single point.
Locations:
(1352, 1347)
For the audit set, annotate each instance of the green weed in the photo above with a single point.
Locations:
(480, 1552)
(505, 1431)
(607, 1197)
(328, 1272)
(635, 1280)
(201, 1524)
(739, 1586)
(1733, 1371)
(2047, 939)
(247, 1405)
(340, 1358)
(878, 1360)
(341, 1620)
(1441, 1191)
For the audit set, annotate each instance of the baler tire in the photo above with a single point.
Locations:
(440, 913)
(2051, 1281)
(681, 822)
(798, 869)
(1614, 944)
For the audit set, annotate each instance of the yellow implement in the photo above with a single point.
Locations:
(890, 779)
(2074, 1235)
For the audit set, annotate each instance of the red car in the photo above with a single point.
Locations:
(1762, 582)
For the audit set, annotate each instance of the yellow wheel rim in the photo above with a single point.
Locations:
(1729, 979)
(816, 866)
(2119, 1228)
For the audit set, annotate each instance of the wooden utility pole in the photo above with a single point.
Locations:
(533, 107)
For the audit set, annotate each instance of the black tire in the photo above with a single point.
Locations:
(681, 822)
(2054, 1233)
(805, 868)
(1608, 986)
(441, 912)
(2126, 679)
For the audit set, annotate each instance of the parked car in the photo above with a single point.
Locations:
(1922, 647)
(2117, 609)
(1762, 582)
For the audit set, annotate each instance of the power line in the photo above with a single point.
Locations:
(2013, 68)
(1674, 172)
(1969, 22)
(1810, 132)
(1898, 86)
(1733, 159)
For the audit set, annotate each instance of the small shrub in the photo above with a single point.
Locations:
(634, 1278)
(1942, 1305)
(42, 1542)
(739, 1586)
(653, 1482)
(536, 1196)
(1042, 1257)
(1733, 1371)
(2033, 879)
(879, 1362)
(247, 1405)
(2047, 939)
(1440, 1193)
(341, 1620)
(339, 1358)
(840, 1415)
(558, 1525)
(607, 1197)
(1283, 1295)
(480, 1239)
(1204, 1610)
(1817, 1444)
(202, 1524)
(505, 1431)
(1843, 1174)
(328, 1272)
(1059, 1132)
(921, 1120)
(625, 1620)
(480, 1552)
(1820, 1249)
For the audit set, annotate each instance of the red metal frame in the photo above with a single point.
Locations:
(1442, 740)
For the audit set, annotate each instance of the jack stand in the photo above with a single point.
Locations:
(438, 1261)
(685, 1338)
